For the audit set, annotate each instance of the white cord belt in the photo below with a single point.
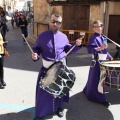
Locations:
(47, 64)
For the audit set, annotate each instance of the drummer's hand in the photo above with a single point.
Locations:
(103, 46)
(111, 58)
(79, 41)
(34, 56)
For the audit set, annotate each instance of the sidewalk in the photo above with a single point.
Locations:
(31, 36)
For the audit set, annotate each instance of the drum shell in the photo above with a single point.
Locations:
(63, 82)
(112, 76)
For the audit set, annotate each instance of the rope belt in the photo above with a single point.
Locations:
(47, 64)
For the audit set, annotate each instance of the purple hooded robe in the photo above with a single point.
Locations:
(91, 88)
(49, 45)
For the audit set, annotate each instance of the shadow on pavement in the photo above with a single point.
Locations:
(20, 58)
(82, 109)
(113, 95)
(26, 114)
(73, 61)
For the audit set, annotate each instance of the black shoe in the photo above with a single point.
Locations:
(39, 118)
(1, 86)
(60, 112)
(3, 82)
(106, 104)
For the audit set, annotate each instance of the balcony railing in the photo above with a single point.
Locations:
(71, 34)
(75, 34)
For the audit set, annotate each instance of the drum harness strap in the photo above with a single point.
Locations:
(64, 62)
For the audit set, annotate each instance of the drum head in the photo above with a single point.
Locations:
(51, 74)
(112, 63)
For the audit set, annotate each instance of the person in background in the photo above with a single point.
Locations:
(2, 47)
(4, 28)
(96, 45)
(52, 45)
(12, 22)
(1, 9)
(15, 15)
(23, 26)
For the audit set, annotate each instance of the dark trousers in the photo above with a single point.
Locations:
(24, 32)
(1, 67)
(12, 24)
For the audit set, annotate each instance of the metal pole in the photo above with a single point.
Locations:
(105, 16)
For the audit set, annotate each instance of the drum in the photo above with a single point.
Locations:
(112, 72)
(58, 79)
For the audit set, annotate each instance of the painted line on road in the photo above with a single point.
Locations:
(16, 107)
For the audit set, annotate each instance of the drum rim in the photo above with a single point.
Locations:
(103, 65)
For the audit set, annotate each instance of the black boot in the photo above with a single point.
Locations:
(1, 85)
(106, 104)
(3, 82)
(60, 112)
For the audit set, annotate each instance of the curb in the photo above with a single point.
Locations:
(31, 39)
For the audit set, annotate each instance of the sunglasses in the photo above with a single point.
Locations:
(54, 21)
(96, 26)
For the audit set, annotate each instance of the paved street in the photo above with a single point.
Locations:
(18, 98)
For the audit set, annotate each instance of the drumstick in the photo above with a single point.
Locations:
(27, 43)
(111, 40)
(72, 48)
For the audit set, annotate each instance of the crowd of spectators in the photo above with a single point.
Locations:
(17, 16)
(3, 21)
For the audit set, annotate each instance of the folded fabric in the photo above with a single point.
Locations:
(101, 82)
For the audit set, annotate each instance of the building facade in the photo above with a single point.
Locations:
(13, 5)
(78, 15)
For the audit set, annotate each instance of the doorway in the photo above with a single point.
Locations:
(114, 27)
(76, 17)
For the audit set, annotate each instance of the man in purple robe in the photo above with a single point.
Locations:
(52, 45)
(96, 45)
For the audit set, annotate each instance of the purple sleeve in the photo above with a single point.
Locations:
(92, 45)
(36, 48)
